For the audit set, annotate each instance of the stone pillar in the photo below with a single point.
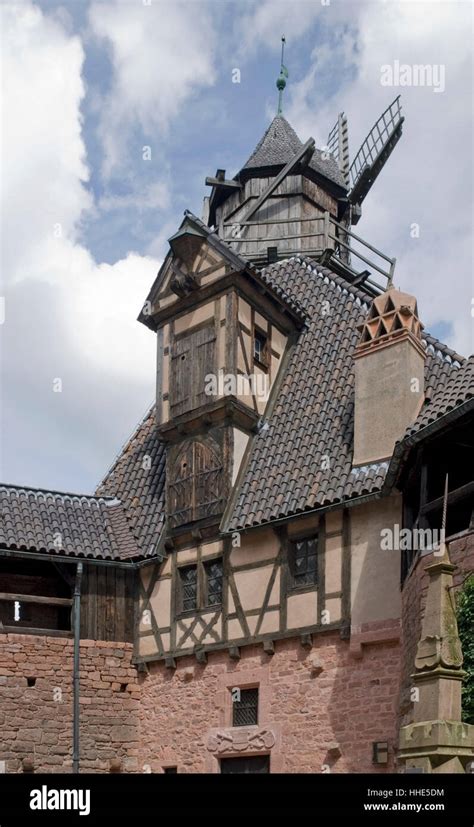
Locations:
(437, 741)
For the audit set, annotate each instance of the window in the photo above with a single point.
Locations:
(303, 562)
(245, 707)
(213, 571)
(200, 586)
(188, 582)
(260, 347)
(170, 770)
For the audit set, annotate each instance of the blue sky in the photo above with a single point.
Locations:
(86, 219)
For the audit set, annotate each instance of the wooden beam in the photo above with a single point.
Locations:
(453, 497)
(30, 630)
(306, 640)
(225, 184)
(31, 598)
(305, 154)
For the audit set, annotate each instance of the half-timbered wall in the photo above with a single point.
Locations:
(218, 339)
(260, 601)
(356, 583)
(206, 267)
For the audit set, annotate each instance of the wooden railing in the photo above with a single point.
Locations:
(326, 240)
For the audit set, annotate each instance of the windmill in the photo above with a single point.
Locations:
(371, 156)
(291, 198)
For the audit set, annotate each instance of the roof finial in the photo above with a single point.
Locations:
(281, 81)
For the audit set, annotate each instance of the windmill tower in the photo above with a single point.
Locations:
(291, 198)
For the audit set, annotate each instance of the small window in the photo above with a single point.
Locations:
(170, 770)
(245, 708)
(303, 561)
(260, 347)
(188, 580)
(214, 582)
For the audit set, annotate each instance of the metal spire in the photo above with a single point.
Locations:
(281, 80)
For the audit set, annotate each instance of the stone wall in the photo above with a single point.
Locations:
(36, 704)
(319, 709)
(461, 552)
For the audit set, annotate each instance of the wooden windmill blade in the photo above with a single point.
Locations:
(338, 145)
(375, 151)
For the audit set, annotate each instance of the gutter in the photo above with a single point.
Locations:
(76, 674)
(62, 558)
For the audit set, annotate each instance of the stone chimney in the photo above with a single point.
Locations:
(389, 376)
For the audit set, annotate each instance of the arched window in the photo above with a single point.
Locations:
(195, 485)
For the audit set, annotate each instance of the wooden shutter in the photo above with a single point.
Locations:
(181, 488)
(195, 486)
(193, 356)
(208, 481)
(204, 362)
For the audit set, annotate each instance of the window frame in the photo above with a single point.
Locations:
(202, 594)
(264, 361)
(182, 610)
(292, 544)
(206, 564)
(254, 688)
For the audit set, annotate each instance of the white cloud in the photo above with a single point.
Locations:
(160, 55)
(66, 315)
(425, 180)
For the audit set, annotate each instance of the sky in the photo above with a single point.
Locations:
(114, 112)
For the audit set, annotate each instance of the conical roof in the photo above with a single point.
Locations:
(280, 143)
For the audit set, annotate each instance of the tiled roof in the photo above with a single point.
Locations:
(309, 426)
(137, 477)
(35, 520)
(452, 397)
(280, 143)
(302, 458)
(455, 391)
(239, 262)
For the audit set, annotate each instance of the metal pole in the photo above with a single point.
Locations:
(75, 679)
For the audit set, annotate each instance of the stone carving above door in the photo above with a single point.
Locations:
(240, 739)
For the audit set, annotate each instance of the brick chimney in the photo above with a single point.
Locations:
(389, 375)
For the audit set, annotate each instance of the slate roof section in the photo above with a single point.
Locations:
(137, 478)
(280, 143)
(311, 422)
(55, 523)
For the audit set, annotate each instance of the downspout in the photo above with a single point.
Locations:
(75, 679)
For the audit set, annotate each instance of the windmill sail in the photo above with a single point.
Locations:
(375, 151)
(338, 145)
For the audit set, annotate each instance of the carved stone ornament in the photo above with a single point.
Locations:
(240, 739)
